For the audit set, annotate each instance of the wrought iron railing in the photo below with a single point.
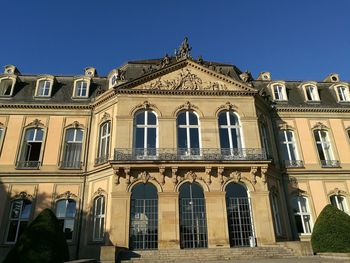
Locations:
(101, 159)
(71, 164)
(330, 163)
(293, 163)
(182, 154)
(28, 164)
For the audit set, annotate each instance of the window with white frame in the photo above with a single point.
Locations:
(19, 216)
(265, 138)
(72, 148)
(65, 213)
(145, 133)
(289, 148)
(229, 132)
(324, 147)
(276, 214)
(302, 216)
(2, 131)
(104, 141)
(339, 202)
(311, 93)
(99, 218)
(6, 87)
(44, 88)
(188, 140)
(279, 92)
(81, 89)
(343, 93)
(31, 148)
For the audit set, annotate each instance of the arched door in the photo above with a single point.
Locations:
(239, 216)
(193, 220)
(144, 217)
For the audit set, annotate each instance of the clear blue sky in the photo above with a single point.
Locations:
(294, 40)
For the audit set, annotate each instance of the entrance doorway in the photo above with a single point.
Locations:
(193, 220)
(239, 216)
(144, 217)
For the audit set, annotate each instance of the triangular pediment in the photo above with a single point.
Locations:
(187, 75)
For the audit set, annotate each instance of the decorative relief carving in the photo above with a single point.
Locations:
(36, 123)
(117, 173)
(208, 171)
(162, 174)
(293, 182)
(76, 125)
(23, 195)
(165, 61)
(145, 105)
(190, 175)
(106, 116)
(186, 106)
(320, 126)
(99, 192)
(263, 174)
(253, 171)
(221, 174)
(285, 126)
(337, 191)
(227, 106)
(174, 174)
(143, 176)
(67, 195)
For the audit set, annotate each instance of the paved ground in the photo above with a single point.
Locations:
(284, 260)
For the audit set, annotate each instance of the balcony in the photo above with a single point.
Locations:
(194, 154)
(330, 163)
(28, 164)
(293, 163)
(71, 165)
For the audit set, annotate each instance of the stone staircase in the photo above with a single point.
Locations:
(210, 254)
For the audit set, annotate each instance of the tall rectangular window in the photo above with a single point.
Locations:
(289, 149)
(44, 87)
(339, 202)
(324, 148)
(99, 218)
(65, 212)
(72, 149)
(104, 141)
(31, 148)
(343, 93)
(311, 93)
(81, 88)
(300, 206)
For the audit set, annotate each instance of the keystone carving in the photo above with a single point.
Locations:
(23, 195)
(67, 195)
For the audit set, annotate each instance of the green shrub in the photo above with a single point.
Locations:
(43, 241)
(331, 232)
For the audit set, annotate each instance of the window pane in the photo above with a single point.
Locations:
(39, 135)
(222, 118)
(98, 205)
(317, 136)
(68, 228)
(307, 224)
(299, 224)
(139, 143)
(181, 118)
(70, 135)
(289, 136)
(151, 137)
(5, 87)
(303, 204)
(61, 208)
(224, 139)
(233, 119)
(152, 119)
(193, 118)
(11, 235)
(292, 156)
(26, 209)
(30, 134)
(194, 138)
(140, 117)
(181, 138)
(235, 137)
(79, 135)
(71, 208)
(320, 152)
(16, 208)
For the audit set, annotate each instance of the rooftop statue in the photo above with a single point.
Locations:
(184, 50)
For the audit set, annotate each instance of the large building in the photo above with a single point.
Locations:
(171, 153)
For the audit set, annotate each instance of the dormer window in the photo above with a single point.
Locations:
(81, 88)
(343, 93)
(311, 93)
(6, 86)
(44, 87)
(279, 92)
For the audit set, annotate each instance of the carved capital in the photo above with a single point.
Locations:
(117, 173)
(263, 173)
(208, 171)
(253, 171)
(221, 174)
(127, 175)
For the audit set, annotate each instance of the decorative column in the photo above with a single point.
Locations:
(168, 220)
(120, 219)
(215, 204)
(262, 218)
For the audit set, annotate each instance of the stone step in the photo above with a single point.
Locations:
(211, 254)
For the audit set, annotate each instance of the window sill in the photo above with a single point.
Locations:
(80, 98)
(42, 97)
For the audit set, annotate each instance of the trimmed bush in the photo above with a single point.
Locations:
(43, 241)
(331, 232)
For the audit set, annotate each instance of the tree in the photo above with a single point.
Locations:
(331, 232)
(43, 241)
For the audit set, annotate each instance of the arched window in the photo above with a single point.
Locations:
(302, 217)
(144, 217)
(145, 134)
(20, 212)
(289, 149)
(99, 218)
(240, 223)
(193, 219)
(188, 140)
(72, 149)
(104, 141)
(324, 148)
(31, 148)
(339, 202)
(65, 212)
(230, 133)
(276, 214)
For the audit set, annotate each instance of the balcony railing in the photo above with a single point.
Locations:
(182, 154)
(330, 163)
(293, 163)
(28, 164)
(71, 165)
(102, 159)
